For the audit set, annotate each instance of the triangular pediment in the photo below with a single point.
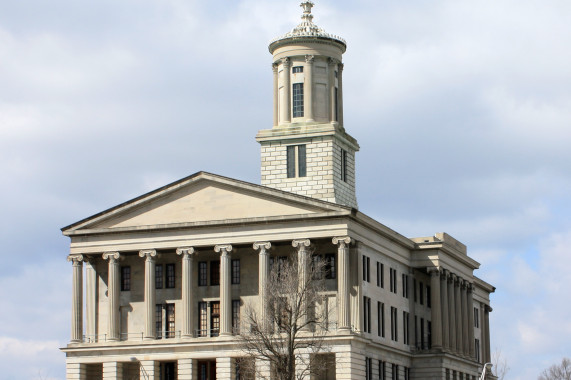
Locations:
(204, 198)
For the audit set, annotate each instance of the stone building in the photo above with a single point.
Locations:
(167, 274)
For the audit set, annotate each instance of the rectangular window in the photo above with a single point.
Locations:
(202, 319)
(477, 349)
(215, 273)
(297, 100)
(394, 324)
(381, 319)
(422, 337)
(170, 333)
(429, 334)
(476, 317)
(330, 268)
(214, 318)
(367, 314)
(405, 333)
(414, 288)
(296, 161)
(235, 271)
(406, 373)
(421, 293)
(405, 285)
(395, 372)
(368, 369)
(202, 274)
(170, 276)
(380, 275)
(428, 297)
(343, 165)
(393, 278)
(382, 370)
(366, 268)
(236, 316)
(159, 321)
(297, 69)
(125, 278)
(158, 276)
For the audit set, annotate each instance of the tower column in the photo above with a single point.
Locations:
(344, 318)
(263, 275)
(332, 99)
(150, 296)
(444, 306)
(276, 94)
(286, 100)
(113, 280)
(452, 312)
(77, 299)
(435, 308)
(340, 93)
(187, 295)
(225, 293)
(308, 97)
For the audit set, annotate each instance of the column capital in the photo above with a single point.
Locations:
(332, 61)
(309, 59)
(224, 248)
(444, 274)
(76, 259)
(342, 241)
(340, 67)
(275, 67)
(286, 62)
(433, 271)
(148, 254)
(262, 246)
(185, 251)
(111, 256)
(469, 287)
(301, 243)
(488, 308)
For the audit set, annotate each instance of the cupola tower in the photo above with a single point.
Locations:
(307, 151)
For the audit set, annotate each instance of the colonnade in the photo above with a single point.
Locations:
(187, 253)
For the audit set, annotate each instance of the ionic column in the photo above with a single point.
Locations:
(470, 311)
(113, 280)
(343, 315)
(77, 298)
(459, 325)
(286, 101)
(452, 312)
(308, 96)
(465, 326)
(340, 92)
(483, 332)
(444, 312)
(487, 311)
(332, 64)
(276, 94)
(225, 294)
(303, 263)
(150, 296)
(187, 295)
(435, 308)
(91, 299)
(263, 275)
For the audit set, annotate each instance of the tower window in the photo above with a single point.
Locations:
(343, 165)
(296, 163)
(297, 100)
(297, 69)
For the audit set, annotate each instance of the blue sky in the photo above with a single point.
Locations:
(462, 110)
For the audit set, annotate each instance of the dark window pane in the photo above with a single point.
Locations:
(215, 273)
(236, 271)
(298, 100)
(302, 172)
(170, 321)
(126, 278)
(297, 69)
(291, 161)
(202, 274)
(215, 319)
(159, 321)
(170, 276)
(158, 276)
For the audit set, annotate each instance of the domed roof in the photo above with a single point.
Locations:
(306, 30)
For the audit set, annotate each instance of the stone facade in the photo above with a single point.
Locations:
(160, 283)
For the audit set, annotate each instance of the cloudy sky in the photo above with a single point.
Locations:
(462, 110)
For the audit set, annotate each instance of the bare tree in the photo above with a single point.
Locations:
(287, 331)
(558, 371)
(500, 364)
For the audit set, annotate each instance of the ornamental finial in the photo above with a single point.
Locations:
(307, 5)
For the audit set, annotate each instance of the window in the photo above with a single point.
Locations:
(367, 314)
(366, 265)
(414, 289)
(336, 104)
(428, 297)
(215, 273)
(125, 278)
(406, 373)
(158, 276)
(297, 100)
(235, 271)
(394, 324)
(170, 276)
(159, 321)
(202, 319)
(368, 369)
(202, 274)
(296, 161)
(281, 261)
(395, 372)
(476, 318)
(429, 334)
(330, 269)
(214, 318)
(236, 316)
(382, 370)
(405, 332)
(405, 285)
(381, 319)
(393, 278)
(421, 293)
(170, 330)
(380, 275)
(422, 337)
(343, 165)
(297, 69)
(477, 349)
